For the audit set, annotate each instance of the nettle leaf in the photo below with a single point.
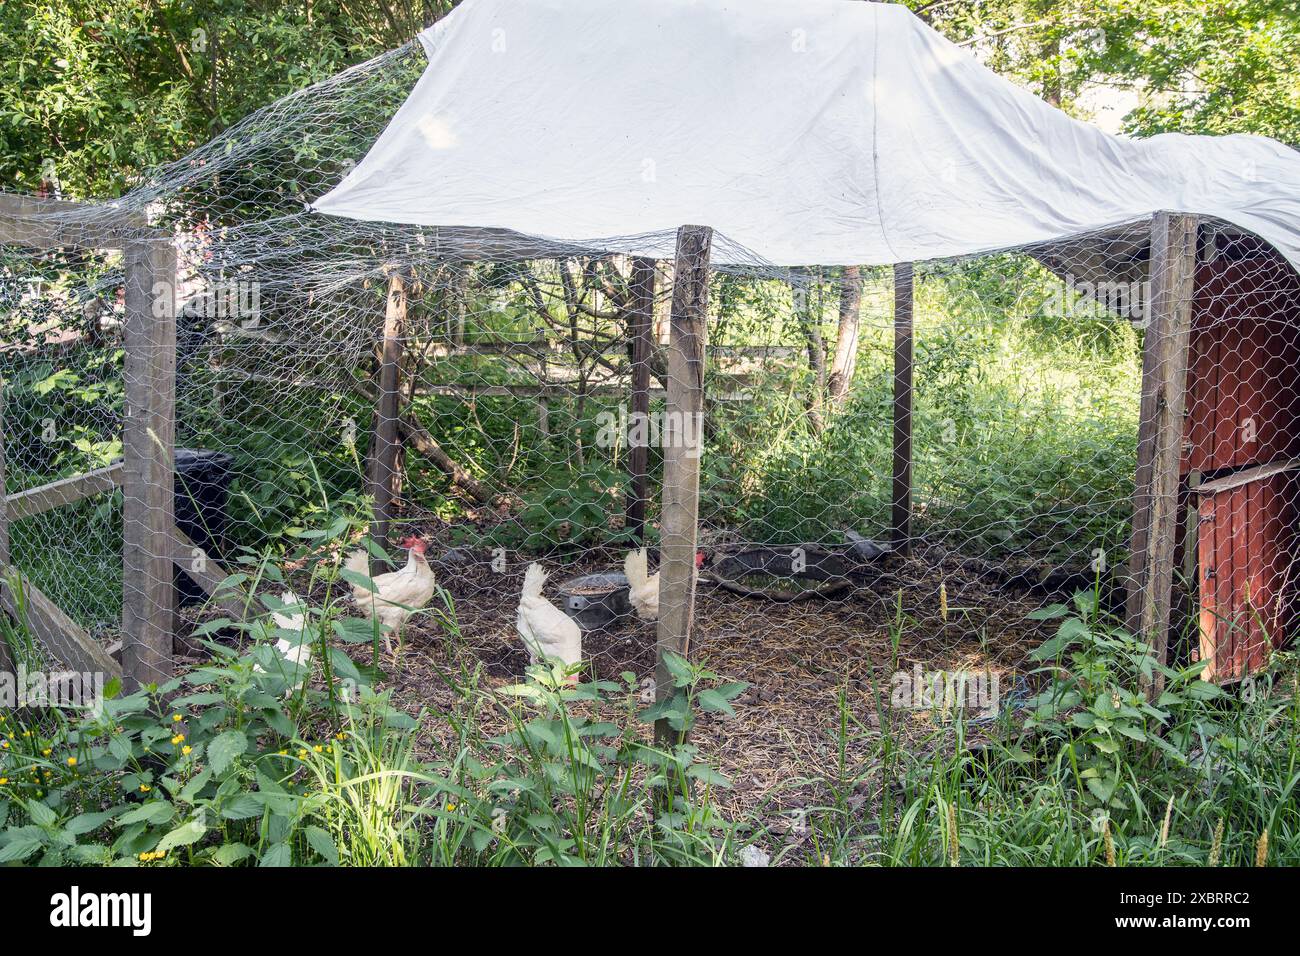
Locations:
(228, 854)
(713, 702)
(191, 790)
(358, 579)
(184, 835)
(87, 822)
(155, 811)
(278, 855)
(1203, 690)
(679, 667)
(1048, 613)
(20, 849)
(212, 627)
(706, 774)
(344, 667)
(201, 699)
(323, 844)
(225, 748)
(1131, 731)
(355, 630)
(119, 745)
(242, 807)
(278, 721)
(41, 815)
(1101, 789)
(732, 690)
(92, 854)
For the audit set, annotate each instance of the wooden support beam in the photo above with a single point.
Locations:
(641, 333)
(901, 523)
(148, 477)
(207, 573)
(385, 446)
(39, 223)
(6, 655)
(60, 636)
(1160, 430)
(65, 491)
(683, 435)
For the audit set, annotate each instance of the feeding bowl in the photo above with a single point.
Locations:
(596, 601)
(794, 573)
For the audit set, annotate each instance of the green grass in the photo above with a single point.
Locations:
(1085, 773)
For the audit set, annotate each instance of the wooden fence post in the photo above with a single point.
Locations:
(640, 321)
(148, 462)
(683, 443)
(901, 521)
(384, 445)
(1160, 430)
(6, 655)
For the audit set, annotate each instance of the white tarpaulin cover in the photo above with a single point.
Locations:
(807, 131)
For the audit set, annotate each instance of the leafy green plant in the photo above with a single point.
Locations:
(1096, 703)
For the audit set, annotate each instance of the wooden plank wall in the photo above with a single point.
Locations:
(1243, 402)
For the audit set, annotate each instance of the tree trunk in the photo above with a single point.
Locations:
(846, 340)
(812, 333)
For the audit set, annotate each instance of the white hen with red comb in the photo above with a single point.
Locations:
(396, 595)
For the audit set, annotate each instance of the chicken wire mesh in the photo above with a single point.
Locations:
(513, 366)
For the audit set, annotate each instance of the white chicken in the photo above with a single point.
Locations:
(545, 629)
(293, 618)
(396, 594)
(643, 588)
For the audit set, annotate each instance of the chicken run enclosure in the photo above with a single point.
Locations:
(842, 472)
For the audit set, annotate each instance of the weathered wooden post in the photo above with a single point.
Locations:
(148, 465)
(6, 656)
(384, 444)
(901, 522)
(1160, 430)
(683, 437)
(640, 322)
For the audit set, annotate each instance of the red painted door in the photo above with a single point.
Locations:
(1246, 544)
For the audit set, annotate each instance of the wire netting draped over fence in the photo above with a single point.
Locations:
(1005, 396)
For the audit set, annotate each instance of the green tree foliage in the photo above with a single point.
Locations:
(1226, 67)
(93, 92)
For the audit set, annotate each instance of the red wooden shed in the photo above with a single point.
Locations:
(1242, 457)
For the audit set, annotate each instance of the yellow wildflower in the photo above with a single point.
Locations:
(46, 752)
(145, 788)
(176, 718)
(318, 748)
(186, 749)
(3, 781)
(72, 761)
(178, 739)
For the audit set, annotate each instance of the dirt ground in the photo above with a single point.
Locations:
(798, 658)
